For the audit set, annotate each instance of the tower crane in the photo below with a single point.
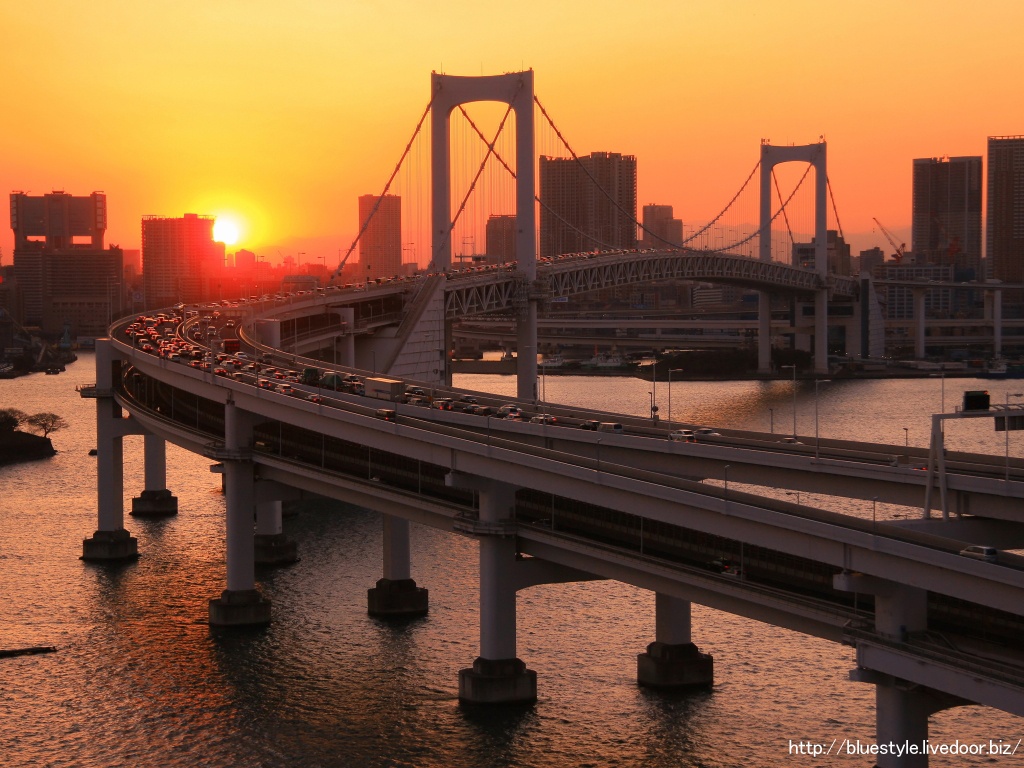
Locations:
(341, 264)
(900, 249)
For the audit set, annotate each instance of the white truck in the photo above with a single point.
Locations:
(384, 389)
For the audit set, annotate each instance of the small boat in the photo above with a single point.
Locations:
(1001, 369)
(555, 361)
(608, 361)
(52, 371)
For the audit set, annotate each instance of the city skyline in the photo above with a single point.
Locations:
(277, 118)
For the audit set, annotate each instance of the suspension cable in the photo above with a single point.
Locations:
(472, 186)
(777, 213)
(536, 198)
(785, 215)
(835, 210)
(380, 198)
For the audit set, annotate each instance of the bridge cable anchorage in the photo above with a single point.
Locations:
(835, 211)
(387, 187)
(476, 178)
(545, 206)
(785, 215)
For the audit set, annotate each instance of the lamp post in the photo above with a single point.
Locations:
(1006, 427)
(906, 442)
(670, 372)
(941, 376)
(874, 519)
(771, 417)
(794, 394)
(817, 453)
(794, 493)
(654, 408)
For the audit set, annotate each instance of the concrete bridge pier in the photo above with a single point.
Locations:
(110, 542)
(272, 547)
(497, 675)
(919, 295)
(155, 500)
(902, 708)
(240, 604)
(396, 594)
(672, 660)
(764, 332)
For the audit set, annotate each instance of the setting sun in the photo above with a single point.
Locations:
(225, 230)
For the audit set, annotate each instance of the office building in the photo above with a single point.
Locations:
(64, 276)
(837, 250)
(181, 262)
(501, 239)
(661, 229)
(1005, 211)
(587, 205)
(380, 247)
(946, 220)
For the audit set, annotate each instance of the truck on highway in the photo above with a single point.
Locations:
(384, 389)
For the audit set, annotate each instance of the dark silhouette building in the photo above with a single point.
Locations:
(587, 205)
(1005, 219)
(181, 262)
(946, 223)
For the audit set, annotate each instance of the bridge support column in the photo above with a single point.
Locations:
(345, 344)
(764, 332)
(919, 322)
(396, 594)
(821, 332)
(155, 500)
(110, 542)
(497, 675)
(272, 547)
(672, 660)
(240, 604)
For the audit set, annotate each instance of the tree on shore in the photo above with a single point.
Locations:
(46, 422)
(11, 419)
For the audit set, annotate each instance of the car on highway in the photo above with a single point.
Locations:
(543, 418)
(682, 436)
(706, 432)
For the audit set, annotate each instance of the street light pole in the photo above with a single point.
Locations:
(771, 416)
(670, 372)
(817, 453)
(794, 395)
(1006, 428)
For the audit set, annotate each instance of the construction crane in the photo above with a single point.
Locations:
(900, 249)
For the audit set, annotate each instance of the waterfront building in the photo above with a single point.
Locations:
(181, 262)
(946, 221)
(1005, 213)
(869, 259)
(587, 205)
(380, 247)
(661, 228)
(65, 277)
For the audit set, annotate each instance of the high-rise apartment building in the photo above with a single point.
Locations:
(661, 229)
(181, 262)
(501, 239)
(837, 251)
(65, 277)
(946, 224)
(587, 205)
(1005, 221)
(380, 247)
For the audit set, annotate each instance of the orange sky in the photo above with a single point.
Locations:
(281, 114)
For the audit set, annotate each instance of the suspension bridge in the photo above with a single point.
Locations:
(932, 628)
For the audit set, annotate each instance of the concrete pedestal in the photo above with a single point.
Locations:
(274, 549)
(497, 681)
(154, 504)
(239, 609)
(674, 666)
(110, 546)
(399, 598)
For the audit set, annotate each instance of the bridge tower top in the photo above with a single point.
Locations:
(449, 92)
(808, 153)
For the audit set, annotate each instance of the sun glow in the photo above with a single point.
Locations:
(226, 230)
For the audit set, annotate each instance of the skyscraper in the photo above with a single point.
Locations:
(587, 205)
(380, 247)
(946, 224)
(180, 260)
(64, 274)
(1005, 221)
(501, 239)
(662, 230)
